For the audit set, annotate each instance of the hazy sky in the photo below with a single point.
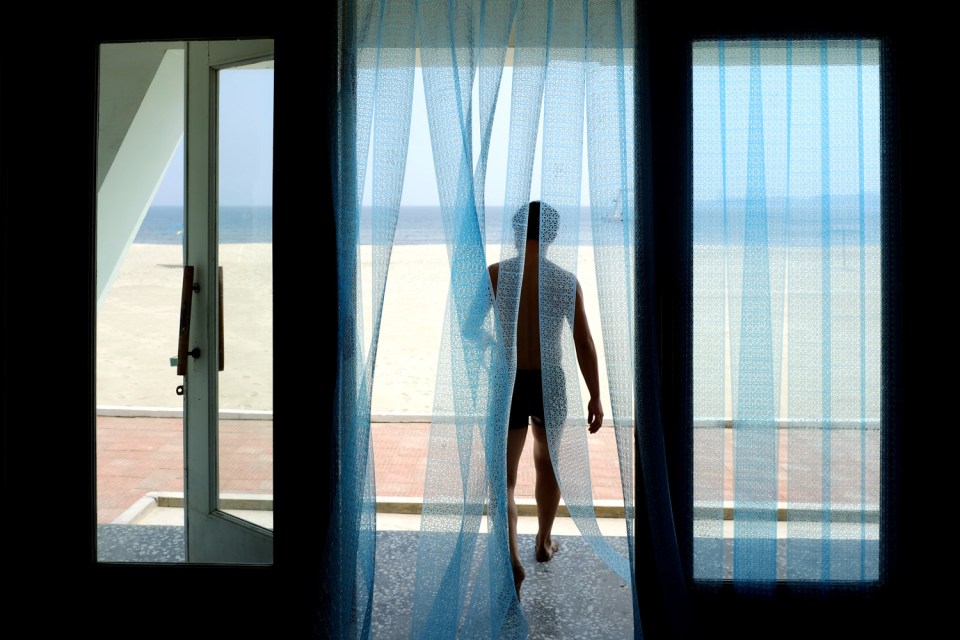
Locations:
(420, 181)
(246, 136)
(246, 139)
(806, 141)
(246, 142)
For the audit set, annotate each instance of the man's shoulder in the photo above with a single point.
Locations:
(558, 272)
(505, 265)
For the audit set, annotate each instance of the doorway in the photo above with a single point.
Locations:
(184, 302)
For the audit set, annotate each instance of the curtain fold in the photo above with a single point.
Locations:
(457, 589)
(374, 98)
(475, 597)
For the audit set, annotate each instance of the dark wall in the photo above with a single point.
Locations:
(48, 139)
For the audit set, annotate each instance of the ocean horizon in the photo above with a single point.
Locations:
(423, 225)
(163, 224)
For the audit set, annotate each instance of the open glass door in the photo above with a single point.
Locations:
(184, 232)
(227, 521)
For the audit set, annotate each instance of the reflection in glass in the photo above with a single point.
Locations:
(245, 195)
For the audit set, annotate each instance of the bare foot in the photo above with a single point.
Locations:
(546, 549)
(518, 575)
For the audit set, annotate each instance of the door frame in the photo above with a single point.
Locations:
(212, 535)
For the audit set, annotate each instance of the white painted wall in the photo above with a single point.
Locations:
(142, 156)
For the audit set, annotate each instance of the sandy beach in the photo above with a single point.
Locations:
(138, 322)
(137, 328)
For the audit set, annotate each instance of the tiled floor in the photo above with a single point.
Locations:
(136, 456)
(401, 450)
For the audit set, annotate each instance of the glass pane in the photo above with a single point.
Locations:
(139, 438)
(245, 116)
(787, 303)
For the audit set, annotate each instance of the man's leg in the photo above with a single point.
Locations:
(547, 493)
(515, 441)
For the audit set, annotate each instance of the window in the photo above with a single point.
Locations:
(787, 310)
(184, 463)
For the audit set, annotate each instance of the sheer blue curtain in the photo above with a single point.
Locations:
(374, 98)
(787, 311)
(571, 61)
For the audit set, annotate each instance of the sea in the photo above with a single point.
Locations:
(163, 224)
(423, 225)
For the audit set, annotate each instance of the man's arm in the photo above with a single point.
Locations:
(474, 329)
(587, 359)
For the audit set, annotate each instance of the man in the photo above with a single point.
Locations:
(528, 399)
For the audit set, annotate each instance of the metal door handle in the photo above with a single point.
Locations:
(187, 290)
(220, 316)
(186, 306)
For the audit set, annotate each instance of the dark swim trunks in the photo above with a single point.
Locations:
(527, 399)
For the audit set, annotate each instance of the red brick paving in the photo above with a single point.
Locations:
(400, 462)
(136, 456)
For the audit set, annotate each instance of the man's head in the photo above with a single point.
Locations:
(540, 215)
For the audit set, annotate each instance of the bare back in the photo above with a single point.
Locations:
(528, 315)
